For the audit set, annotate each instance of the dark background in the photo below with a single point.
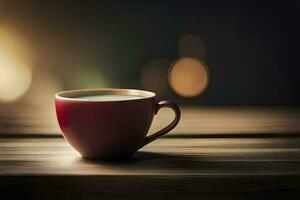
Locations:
(252, 46)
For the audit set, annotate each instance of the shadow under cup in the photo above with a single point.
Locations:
(110, 129)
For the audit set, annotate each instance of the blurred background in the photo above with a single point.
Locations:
(198, 53)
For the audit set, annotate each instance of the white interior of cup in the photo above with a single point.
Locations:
(74, 94)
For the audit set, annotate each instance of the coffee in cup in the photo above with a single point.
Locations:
(109, 123)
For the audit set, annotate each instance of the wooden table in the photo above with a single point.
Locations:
(237, 152)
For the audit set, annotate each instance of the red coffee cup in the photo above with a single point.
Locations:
(109, 129)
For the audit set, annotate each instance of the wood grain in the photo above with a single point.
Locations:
(169, 168)
(214, 153)
(26, 120)
(217, 157)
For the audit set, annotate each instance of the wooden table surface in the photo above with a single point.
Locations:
(214, 153)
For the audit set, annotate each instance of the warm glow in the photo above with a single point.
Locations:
(188, 77)
(15, 79)
(15, 76)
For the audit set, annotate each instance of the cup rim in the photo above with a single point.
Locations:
(69, 95)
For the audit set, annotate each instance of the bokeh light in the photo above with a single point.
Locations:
(188, 76)
(154, 75)
(192, 45)
(15, 73)
(15, 80)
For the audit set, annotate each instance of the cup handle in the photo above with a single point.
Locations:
(158, 106)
